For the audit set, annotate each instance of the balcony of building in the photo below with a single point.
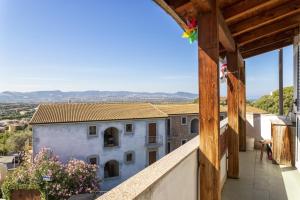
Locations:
(154, 141)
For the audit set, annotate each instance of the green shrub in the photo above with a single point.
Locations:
(17, 141)
(270, 102)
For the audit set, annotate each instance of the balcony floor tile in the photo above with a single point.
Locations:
(262, 180)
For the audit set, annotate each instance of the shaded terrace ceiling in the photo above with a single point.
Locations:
(254, 26)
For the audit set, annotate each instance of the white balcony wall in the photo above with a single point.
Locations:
(259, 125)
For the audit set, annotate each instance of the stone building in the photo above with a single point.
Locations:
(182, 123)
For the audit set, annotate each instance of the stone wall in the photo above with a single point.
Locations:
(180, 132)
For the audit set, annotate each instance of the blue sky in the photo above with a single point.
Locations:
(107, 45)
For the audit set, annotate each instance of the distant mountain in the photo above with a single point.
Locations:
(93, 96)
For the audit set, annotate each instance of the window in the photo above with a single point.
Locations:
(93, 160)
(111, 137)
(111, 169)
(129, 157)
(221, 117)
(183, 141)
(129, 128)
(183, 120)
(195, 126)
(92, 130)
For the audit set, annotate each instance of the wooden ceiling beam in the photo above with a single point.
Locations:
(186, 9)
(199, 6)
(277, 13)
(245, 8)
(266, 49)
(202, 5)
(172, 13)
(224, 34)
(268, 41)
(267, 30)
(177, 3)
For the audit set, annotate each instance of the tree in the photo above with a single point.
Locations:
(270, 103)
(17, 141)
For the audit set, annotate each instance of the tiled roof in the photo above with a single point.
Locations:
(79, 112)
(177, 109)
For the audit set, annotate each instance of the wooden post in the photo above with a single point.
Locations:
(280, 72)
(242, 107)
(233, 114)
(209, 106)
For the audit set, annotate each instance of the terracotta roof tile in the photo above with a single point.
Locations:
(79, 112)
(177, 109)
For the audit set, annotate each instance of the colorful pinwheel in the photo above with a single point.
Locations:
(192, 32)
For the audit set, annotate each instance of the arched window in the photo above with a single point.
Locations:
(111, 169)
(111, 137)
(195, 126)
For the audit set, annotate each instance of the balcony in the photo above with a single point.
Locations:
(262, 180)
(176, 176)
(154, 141)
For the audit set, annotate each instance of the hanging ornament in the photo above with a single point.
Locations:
(192, 24)
(223, 74)
(192, 32)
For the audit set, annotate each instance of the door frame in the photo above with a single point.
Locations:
(147, 154)
(156, 130)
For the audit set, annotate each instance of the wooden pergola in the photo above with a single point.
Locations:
(236, 29)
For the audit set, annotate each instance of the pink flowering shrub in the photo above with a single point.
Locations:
(81, 177)
(75, 177)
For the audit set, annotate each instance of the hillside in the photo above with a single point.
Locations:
(94, 96)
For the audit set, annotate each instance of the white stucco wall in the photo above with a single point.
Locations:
(179, 183)
(72, 141)
(259, 125)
